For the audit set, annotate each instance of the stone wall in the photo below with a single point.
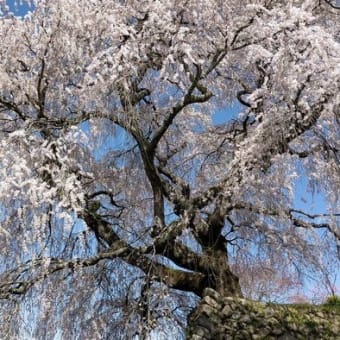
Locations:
(219, 317)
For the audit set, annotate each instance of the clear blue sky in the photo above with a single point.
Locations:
(18, 9)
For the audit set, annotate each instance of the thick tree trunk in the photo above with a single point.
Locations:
(218, 274)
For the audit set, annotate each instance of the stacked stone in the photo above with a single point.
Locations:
(227, 318)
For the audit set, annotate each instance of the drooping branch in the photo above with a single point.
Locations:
(13, 284)
(312, 216)
(330, 3)
(290, 215)
(11, 106)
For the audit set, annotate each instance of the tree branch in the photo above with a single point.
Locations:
(189, 98)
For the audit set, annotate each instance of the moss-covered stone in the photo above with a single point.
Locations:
(235, 318)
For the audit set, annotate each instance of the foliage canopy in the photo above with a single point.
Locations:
(121, 196)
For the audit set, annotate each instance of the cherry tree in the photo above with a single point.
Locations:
(121, 198)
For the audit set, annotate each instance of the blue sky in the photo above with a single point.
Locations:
(18, 8)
